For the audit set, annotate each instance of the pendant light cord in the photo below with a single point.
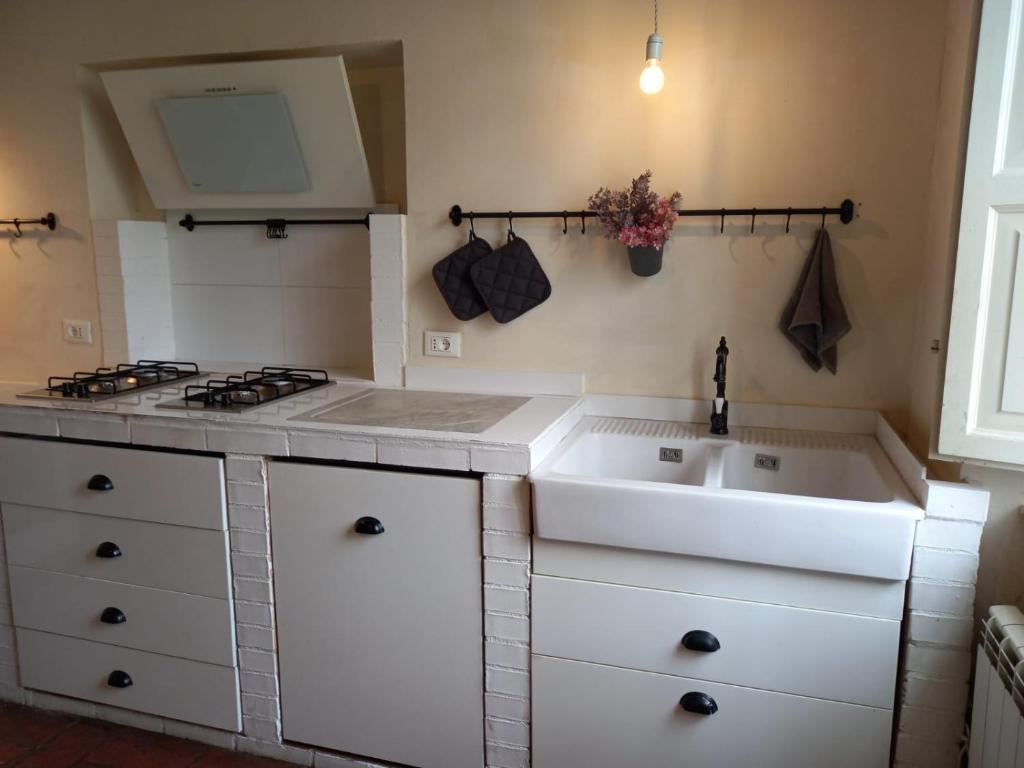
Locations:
(655, 16)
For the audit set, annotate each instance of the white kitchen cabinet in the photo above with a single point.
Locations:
(158, 620)
(146, 682)
(121, 589)
(605, 717)
(378, 598)
(152, 554)
(176, 488)
(800, 666)
(774, 647)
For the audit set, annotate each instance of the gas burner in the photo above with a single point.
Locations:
(240, 392)
(104, 383)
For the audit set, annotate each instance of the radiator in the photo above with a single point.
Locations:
(997, 721)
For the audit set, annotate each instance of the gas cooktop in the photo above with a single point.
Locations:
(104, 383)
(240, 392)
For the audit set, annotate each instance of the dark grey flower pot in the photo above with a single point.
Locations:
(644, 260)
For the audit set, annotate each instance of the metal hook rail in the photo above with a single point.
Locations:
(845, 211)
(49, 221)
(276, 228)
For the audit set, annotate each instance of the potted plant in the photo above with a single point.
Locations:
(639, 218)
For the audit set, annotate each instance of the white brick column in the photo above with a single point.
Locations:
(387, 298)
(10, 690)
(939, 626)
(133, 277)
(507, 524)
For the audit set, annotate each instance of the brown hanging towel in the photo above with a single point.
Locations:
(815, 319)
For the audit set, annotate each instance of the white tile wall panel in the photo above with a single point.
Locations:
(240, 256)
(327, 327)
(229, 323)
(336, 257)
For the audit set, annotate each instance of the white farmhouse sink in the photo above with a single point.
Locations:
(818, 501)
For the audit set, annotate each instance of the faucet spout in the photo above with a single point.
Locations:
(720, 406)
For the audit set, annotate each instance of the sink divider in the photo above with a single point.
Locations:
(715, 468)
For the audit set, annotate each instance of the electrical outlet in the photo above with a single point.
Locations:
(442, 344)
(77, 331)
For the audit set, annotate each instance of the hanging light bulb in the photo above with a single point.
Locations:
(652, 79)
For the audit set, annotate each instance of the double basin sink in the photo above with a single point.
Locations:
(812, 500)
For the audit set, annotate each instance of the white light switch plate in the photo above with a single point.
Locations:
(442, 344)
(77, 331)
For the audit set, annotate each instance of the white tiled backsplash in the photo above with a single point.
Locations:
(228, 294)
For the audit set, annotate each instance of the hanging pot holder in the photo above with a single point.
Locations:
(510, 280)
(451, 274)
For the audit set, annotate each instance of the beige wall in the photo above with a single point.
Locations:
(533, 104)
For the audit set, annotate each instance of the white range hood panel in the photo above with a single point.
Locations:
(313, 95)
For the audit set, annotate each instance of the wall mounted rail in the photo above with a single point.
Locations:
(276, 228)
(845, 211)
(49, 221)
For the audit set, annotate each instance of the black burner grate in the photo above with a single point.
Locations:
(254, 388)
(126, 377)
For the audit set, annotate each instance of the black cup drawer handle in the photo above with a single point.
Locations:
(699, 640)
(119, 679)
(100, 483)
(369, 525)
(108, 549)
(698, 703)
(113, 616)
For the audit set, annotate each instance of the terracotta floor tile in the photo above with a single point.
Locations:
(69, 747)
(219, 758)
(22, 729)
(140, 749)
(31, 738)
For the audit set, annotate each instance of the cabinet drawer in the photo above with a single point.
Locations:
(603, 717)
(793, 650)
(146, 485)
(160, 685)
(172, 623)
(171, 557)
(379, 626)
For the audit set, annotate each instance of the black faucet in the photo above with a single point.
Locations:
(720, 416)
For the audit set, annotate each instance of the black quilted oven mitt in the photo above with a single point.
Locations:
(452, 277)
(510, 280)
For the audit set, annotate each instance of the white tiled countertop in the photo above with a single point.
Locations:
(514, 445)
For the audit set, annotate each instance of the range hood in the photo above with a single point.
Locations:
(254, 134)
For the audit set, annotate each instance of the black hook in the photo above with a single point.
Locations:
(789, 215)
(472, 229)
(565, 222)
(824, 211)
(721, 228)
(17, 228)
(583, 223)
(511, 234)
(753, 218)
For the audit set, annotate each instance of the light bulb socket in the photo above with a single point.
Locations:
(654, 47)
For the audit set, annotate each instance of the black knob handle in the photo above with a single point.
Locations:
(119, 679)
(108, 549)
(698, 703)
(369, 525)
(99, 483)
(699, 640)
(113, 616)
